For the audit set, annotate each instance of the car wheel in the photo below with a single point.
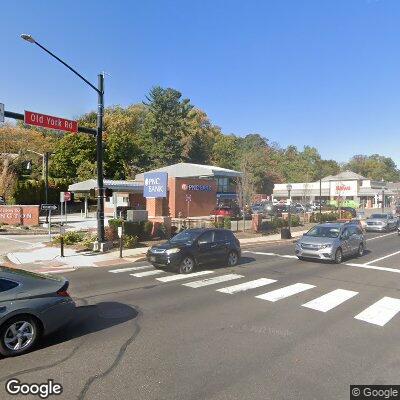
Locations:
(18, 335)
(338, 256)
(187, 265)
(301, 258)
(233, 259)
(360, 251)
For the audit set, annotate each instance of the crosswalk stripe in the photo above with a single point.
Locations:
(380, 312)
(183, 276)
(117, 271)
(147, 273)
(330, 300)
(241, 287)
(284, 292)
(212, 281)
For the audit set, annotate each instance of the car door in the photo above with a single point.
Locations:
(354, 239)
(221, 245)
(345, 241)
(391, 222)
(206, 249)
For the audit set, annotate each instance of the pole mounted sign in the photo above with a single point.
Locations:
(155, 184)
(50, 122)
(48, 207)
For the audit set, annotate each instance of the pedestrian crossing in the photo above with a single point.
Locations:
(379, 313)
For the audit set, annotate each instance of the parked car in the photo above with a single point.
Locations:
(31, 305)
(331, 242)
(194, 247)
(227, 211)
(381, 222)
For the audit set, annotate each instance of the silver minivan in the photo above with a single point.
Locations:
(331, 242)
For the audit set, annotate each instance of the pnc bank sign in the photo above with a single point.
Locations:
(155, 184)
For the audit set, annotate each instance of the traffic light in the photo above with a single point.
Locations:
(95, 192)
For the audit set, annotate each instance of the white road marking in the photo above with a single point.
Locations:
(270, 254)
(330, 300)
(241, 287)
(380, 312)
(117, 271)
(381, 236)
(382, 258)
(374, 267)
(213, 281)
(284, 292)
(147, 273)
(183, 276)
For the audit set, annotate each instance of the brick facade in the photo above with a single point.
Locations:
(19, 215)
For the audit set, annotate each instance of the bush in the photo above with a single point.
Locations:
(324, 217)
(110, 233)
(130, 241)
(227, 223)
(88, 240)
(147, 229)
(218, 223)
(115, 223)
(70, 238)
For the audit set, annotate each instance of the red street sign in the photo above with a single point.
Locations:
(50, 122)
(67, 196)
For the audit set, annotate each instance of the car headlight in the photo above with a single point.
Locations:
(173, 251)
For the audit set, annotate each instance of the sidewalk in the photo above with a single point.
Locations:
(48, 260)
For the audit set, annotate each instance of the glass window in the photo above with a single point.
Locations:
(207, 237)
(221, 236)
(7, 285)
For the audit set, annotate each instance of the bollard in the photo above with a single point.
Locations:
(62, 231)
(121, 241)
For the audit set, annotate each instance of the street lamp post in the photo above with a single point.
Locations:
(383, 200)
(320, 196)
(289, 188)
(99, 136)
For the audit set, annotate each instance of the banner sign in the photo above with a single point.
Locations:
(155, 184)
(50, 122)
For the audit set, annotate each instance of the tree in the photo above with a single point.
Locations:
(70, 153)
(165, 125)
(8, 178)
(225, 151)
(374, 167)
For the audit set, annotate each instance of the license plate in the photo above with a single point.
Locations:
(152, 258)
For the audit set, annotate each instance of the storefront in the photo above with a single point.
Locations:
(191, 190)
(344, 187)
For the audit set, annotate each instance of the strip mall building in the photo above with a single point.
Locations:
(192, 190)
(347, 185)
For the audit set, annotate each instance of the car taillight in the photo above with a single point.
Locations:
(63, 293)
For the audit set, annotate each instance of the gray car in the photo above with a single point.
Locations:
(331, 242)
(383, 222)
(31, 305)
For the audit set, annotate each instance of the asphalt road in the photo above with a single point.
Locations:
(137, 337)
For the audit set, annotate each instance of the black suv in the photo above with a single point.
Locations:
(194, 247)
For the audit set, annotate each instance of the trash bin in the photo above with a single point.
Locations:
(285, 233)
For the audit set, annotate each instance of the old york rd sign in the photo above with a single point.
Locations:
(50, 122)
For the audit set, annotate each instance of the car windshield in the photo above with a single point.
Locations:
(185, 236)
(324, 231)
(378, 216)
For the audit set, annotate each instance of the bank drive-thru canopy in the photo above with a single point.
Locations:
(115, 185)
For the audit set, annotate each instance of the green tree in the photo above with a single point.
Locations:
(70, 153)
(225, 151)
(165, 125)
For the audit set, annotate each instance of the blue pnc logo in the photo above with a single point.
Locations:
(155, 184)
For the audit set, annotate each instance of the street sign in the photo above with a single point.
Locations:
(155, 184)
(1, 112)
(50, 122)
(48, 207)
(188, 197)
(67, 196)
(119, 231)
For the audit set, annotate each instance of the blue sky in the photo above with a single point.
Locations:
(319, 72)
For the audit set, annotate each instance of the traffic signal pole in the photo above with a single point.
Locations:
(99, 148)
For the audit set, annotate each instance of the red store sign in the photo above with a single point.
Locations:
(342, 188)
(50, 122)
